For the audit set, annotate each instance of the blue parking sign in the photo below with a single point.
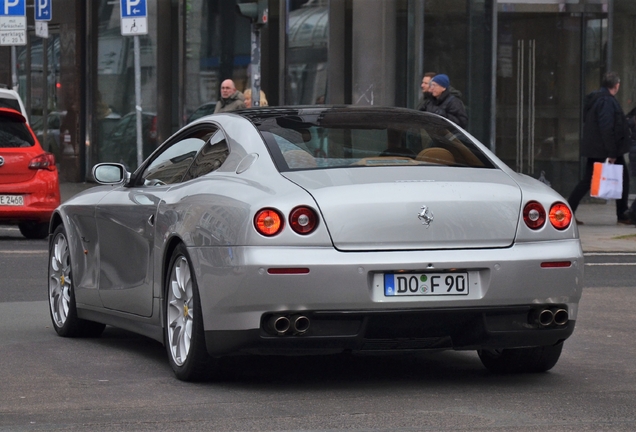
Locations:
(133, 9)
(13, 7)
(43, 10)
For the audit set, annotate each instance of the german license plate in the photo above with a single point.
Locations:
(425, 284)
(11, 200)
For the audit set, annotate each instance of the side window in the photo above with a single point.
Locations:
(172, 163)
(210, 158)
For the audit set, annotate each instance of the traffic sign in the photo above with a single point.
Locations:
(43, 10)
(13, 23)
(12, 7)
(134, 17)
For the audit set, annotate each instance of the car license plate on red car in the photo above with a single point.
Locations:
(425, 284)
(11, 200)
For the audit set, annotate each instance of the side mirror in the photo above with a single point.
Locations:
(110, 173)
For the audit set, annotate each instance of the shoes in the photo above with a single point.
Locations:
(578, 222)
(626, 219)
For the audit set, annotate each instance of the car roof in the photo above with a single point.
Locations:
(6, 93)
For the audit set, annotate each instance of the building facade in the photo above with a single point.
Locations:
(523, 68)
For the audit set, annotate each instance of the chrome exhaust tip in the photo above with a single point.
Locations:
(279, 324)
(300, 324)
(545, 317)
(561, 317)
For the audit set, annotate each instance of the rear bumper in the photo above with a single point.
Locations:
(41, 197)
(397, 330)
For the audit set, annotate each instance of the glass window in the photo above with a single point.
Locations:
(14, 133)
(307, 36)
(210, 158)
(338, 138)
(170, 165)
(114, 120)
(217, 43)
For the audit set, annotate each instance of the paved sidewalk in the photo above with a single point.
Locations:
(599, 232)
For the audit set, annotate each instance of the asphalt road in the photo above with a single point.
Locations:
(122, 381)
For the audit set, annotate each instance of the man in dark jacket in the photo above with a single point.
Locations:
(605, 137)
(231, 98)
(444, 103)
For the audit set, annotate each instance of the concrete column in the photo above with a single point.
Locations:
(373, 52)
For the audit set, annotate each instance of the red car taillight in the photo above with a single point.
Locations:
(534, 215)
(303, 220)
(560, 216)
(44, 161)
(268, 222)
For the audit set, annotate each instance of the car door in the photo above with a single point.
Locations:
(125, 221)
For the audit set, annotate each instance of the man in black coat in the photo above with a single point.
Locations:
(605, 137)
(444, 103)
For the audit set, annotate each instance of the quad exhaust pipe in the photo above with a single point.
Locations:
(547, 317)
(283, 325)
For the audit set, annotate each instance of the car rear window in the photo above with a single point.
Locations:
(340, 138)
(14, 133)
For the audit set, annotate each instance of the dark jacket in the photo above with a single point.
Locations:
(236, 101)
(605, 129)
(427, 98)
(450, 107)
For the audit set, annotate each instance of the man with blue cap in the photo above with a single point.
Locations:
(444, 103)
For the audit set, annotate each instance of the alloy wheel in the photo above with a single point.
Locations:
(60, 280)
(180, 310)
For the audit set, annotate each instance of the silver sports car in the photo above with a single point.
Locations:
(312, 230)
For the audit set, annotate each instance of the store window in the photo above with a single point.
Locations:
(217, 47)
(307, 39)
(114, 112)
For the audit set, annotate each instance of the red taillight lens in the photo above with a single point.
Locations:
(303, 220)
(268, 222)
(44, 161)
(560, 216)
(534, 215)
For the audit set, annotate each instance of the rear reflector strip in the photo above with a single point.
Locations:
(292, 270)
(556, 264)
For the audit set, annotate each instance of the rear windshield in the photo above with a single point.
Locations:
(358, 139)
(14, 133)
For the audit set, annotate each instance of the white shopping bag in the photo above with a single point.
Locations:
(607, 181)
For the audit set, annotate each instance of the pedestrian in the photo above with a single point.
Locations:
(605, 137)
(248, 98)
(427, 97)
(231, 98)
(444, 103)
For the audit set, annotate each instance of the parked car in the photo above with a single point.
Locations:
(29, 186)
(306, 230)
(11, 99)
(120, 145)
(203, 110)
(54, 120)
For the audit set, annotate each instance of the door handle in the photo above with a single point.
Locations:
(151, 220)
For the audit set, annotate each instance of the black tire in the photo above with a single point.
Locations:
(61, 292)
(34, 230)
(521, 360)
(190, 362)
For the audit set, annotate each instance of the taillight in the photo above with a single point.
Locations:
(534, 215)
(44, 161)
(560, 216)
(303, 220)
(268, 222)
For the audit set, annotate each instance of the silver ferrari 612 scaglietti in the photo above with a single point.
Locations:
(313, 230)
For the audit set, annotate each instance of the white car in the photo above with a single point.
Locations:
(11, 99)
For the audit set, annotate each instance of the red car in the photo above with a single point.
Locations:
(29, 185)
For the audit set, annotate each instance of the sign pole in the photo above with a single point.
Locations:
(140, 142)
